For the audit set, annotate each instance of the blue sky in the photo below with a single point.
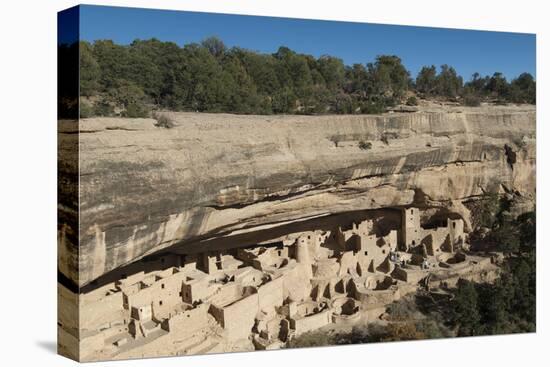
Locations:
(468, 51)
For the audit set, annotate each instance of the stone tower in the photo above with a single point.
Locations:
(456, 233)
(410, 228)
(302, 253)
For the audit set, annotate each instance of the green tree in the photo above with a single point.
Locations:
(357, 80)
(114, 63)
(89, 71)
(262, 69)
(242, 94)
(127, 93)
(449, 83)
(130, 96)
(333, 72)
(203, 80)
(215, 46)
(489, 210)
(283, 100)
(497, 86)
(387, 77)
(145, 68)
(506, 238)
(465, 311)
(426, 80)
(527, 227)
(523, 89)
(210, 77)
(477, 85)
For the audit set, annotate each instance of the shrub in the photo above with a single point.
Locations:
(472, 101)
(412, 101)
(405, 309)
(135, 110)
(163, 121)
(373, 108)
(85, 110)
(103, 108)
(365, 145)
(432, 329)
(402, 331)
(363, 334)
(311, 339)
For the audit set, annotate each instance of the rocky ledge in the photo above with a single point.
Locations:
(212, 177)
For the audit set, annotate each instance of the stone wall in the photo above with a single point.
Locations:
(189, 320)
(311, 322)
(237, 319)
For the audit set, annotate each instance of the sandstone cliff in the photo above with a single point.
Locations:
(145, 188)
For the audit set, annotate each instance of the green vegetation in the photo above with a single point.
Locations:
(445, 84)
(209, 77)
(412, 101)
(373, 333)
(472, 100)
(497, 88)
(317, 338)
(496, 229)
(508, 305)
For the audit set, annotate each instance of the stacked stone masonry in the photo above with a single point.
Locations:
(261, 297)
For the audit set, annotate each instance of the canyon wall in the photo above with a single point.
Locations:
(144, 188)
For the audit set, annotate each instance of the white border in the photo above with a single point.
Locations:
(28, 179)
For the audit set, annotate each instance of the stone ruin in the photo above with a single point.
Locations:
(261, 297)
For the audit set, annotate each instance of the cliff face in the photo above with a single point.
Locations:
(144, 188)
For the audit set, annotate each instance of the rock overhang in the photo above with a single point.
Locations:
(143, 188)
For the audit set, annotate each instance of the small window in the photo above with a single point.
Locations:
(160, 303)
(162, 285)
(454, 225)
(411, 211)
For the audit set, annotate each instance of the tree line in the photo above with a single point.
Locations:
(210, 77)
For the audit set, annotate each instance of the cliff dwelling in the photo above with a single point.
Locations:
(215, 198)
(262, 296)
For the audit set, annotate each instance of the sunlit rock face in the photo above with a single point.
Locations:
(237, 180)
